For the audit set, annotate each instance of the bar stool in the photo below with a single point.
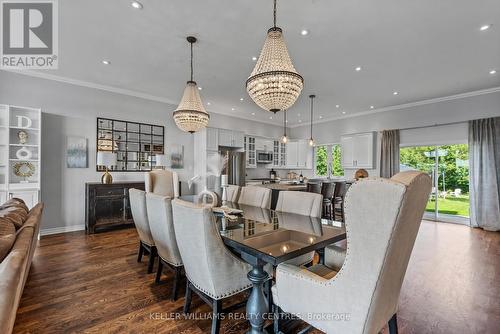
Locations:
(314, 187)
(327, 190)
(338, 199)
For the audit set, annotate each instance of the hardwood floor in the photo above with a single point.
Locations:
(93, 284)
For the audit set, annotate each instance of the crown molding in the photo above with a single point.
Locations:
(405, 105)
(155, 98)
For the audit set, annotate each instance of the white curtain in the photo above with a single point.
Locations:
(389, 154)
(484, 185)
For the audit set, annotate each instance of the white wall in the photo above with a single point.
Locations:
(72, 110)
(459, 110)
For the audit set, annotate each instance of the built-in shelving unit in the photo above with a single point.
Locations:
(20, 153)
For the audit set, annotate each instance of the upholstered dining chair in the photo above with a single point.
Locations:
(213, 272)
(255, 196)
(232, 193)
(363, 294)
(140, 216)
(301, 203)
(162, 182)
(163, 233)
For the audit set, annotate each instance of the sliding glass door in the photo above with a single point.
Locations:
(448, 166)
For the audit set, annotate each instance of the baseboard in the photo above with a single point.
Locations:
(62, 229)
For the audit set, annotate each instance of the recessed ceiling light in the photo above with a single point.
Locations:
(485, 27)
(300, 121)
(337, 106)
(199, 88)
(371, 107)
(343, 112)
(241, 99)
(106, 62)
(298, 114)
(287, 121)
(136, 4)
(395, 93)
(208, 103)
(358, 68)
(233, 109)
(253, 114)
(304, 32)
(320, 117)
(254, 58)
(270, 117)
(493, 72)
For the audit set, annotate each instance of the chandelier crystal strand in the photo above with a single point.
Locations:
(311, 140)
(274, 84)
(191, 116)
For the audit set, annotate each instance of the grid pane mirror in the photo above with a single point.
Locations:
(135, 144)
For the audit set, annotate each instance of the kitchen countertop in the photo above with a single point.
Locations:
(284, 186)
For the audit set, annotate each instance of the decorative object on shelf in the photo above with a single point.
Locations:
(24, 153)
(311, 140)
(274, 84)
(224, 184)
(20, 124)
(23, 137)
(24, 169)
(161, 161)
(361, 174)
(76, 152)
(176, 156)
(191, 116)
(135, 144)
(284, 139)
(106, 159)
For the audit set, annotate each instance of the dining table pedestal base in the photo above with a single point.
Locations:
(257, 309)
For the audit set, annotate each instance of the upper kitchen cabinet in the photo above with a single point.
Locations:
(212, 136)
(251, 155)
(229, 138)
(299, 154)
(358, 150)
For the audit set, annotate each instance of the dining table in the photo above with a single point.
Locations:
(261, 236)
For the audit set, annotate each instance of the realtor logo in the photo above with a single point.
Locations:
(29, 34)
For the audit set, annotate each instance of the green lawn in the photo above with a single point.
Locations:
(451, 205)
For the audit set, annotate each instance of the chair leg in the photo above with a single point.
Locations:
(159, 271)
(216, 310)
(269, 294)
(187, 302)
(152, 257)
(393, 325)
(141, 252)
(276, 319)
(177, 277)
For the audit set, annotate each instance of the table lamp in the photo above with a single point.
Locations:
(161, 161)
(106, 159)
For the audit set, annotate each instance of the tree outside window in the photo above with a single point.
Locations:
(328, 160)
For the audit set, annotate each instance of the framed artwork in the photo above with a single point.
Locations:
(76, 152)
(176, 156)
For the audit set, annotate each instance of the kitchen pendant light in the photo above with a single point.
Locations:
(311, 140)
(274, 84)
(284, 139)
(191, 116)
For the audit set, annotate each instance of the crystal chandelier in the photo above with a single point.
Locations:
(274, 84)
(191, 116)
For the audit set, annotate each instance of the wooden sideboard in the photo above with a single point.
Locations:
(108, 205)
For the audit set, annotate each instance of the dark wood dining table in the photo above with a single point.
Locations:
(262, 236)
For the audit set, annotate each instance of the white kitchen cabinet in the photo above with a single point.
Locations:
(229, 138)
(358, 150)
(292, 154)
(212, 139)
(251, 154)
(299, 155)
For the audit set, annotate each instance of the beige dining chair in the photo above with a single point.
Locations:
(300, 203)
(162, 230)
(213, 272)
(137, 200)
(162, 182)
(382, 220)
(255, 196)
(232, 193)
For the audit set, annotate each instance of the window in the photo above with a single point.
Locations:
(327, 160)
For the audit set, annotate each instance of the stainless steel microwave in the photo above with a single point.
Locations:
(264, 157)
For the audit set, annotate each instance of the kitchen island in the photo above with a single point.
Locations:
(277, 187)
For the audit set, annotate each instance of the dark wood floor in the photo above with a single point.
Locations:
(93, 284)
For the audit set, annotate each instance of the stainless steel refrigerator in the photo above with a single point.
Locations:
(236, 167)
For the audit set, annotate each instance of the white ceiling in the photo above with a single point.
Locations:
(423, 49)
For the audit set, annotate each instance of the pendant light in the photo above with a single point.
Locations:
(284, 139)
(191, 116)
(311, 140)
(274, 84)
